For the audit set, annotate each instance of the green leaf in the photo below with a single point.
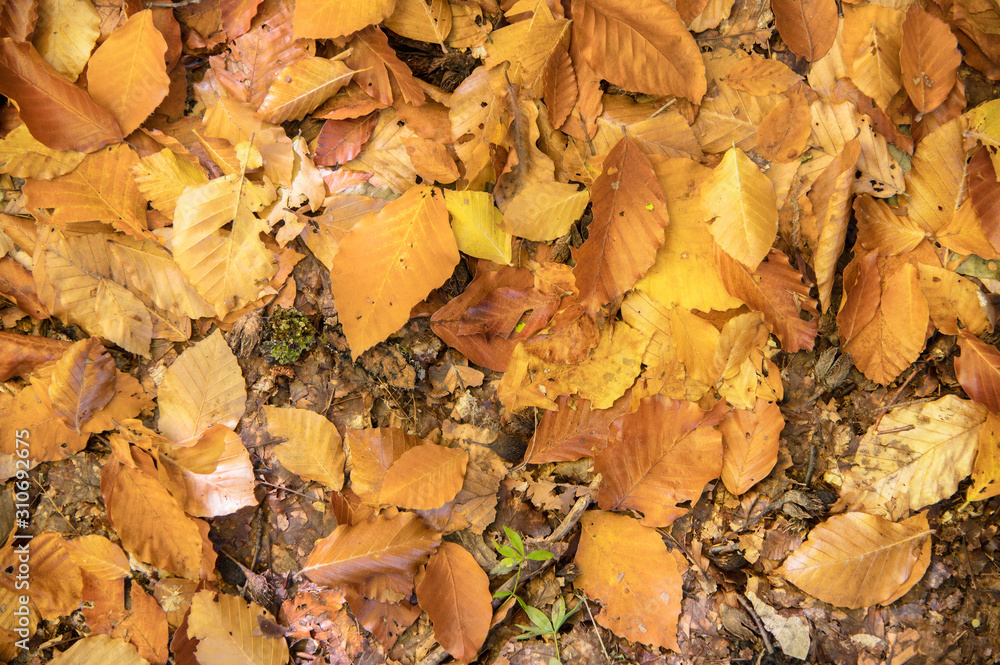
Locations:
(540, 555)
(515, 540)
(510, 553)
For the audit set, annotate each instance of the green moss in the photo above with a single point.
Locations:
(289, 336)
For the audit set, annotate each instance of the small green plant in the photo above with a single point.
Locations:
(289, 336)
(545, 626)
(514, 557)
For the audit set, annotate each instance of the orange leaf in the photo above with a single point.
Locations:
(100, 189)
(421, 20)
(775, 290)
(373, 451)
(17, 19)
(21, 354)
(314, 449)
(55, 581)
(630, 216)
(83, 381)
(149, 521)
(99, 557)
(137, 618)
(260, 54)
(639, 45)
(340, 141)
(59, 114)
(661, 455)
(751, 445)
(390, 262)
(978, 370)
(127, 74)
(227, 628)
(353, 554)
(373, 60)
(808, 27)
(302, 86)
(986, 470)
(626, 567)
(929, 57)
(782, 134)
(572, 432)
(455, 593)
(559, 88)
(761, 76)
(984, 190)
(424, 477)
(321, 19)
(831, 202)
(859, 560)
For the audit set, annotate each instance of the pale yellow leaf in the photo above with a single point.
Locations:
(302, 86)
(24, 157)
(545, 211)
(313, 450)
(66, 33)
(477, 225)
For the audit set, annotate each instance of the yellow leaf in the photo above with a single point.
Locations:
(859, 560)
(477, 223)
(226, 269)
(302, 86)
(385, 154)
(99, 557)
(65, 34)
(951, 299)
(914, 456)
(322, 19)
(388, 263)
(151, 271)
(528, 45)
(545, 211)
(761, 76)
(742, 200)
(100, 649)
(127, 74)
(420, 20)
(163, 176)
(872, 37)
(986, 470)
(225, 626)
(24, 157)
(203, 387)
(314, 449)
(935, 184)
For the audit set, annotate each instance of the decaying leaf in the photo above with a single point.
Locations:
(455, 593)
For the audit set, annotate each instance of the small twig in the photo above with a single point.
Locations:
(173, 5)
(756, 619)
(812, 464)
(575, 513)
(597, 631)
(895, 430)
(279, 487)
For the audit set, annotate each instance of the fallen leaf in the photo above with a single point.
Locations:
(424, 477)
(314, 449)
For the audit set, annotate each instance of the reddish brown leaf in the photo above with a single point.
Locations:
(660, 456)
(371, 52)
(455, 593)
(630, 215)
(17, 19)
(373, 451)
(984, 190)
(18, 284)
(59, 114)
(809, 27)
(21, 354)
(353, 554)
(929, 57)
(340, 141)
(136, 617)
(978, 370)
(572, 432)
(237, 15)
(559, 86)
(83, 381)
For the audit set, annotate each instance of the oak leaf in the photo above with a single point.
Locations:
(630, 216)
(127, 74)
(455, 593)
(390, 262)
(382, 544)
(859, 560)
(626, 567)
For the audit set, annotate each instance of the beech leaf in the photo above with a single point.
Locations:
(83, 381)
(424, 477)
(314, 449)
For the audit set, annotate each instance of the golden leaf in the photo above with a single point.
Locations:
(545, 211)
(929, 58)
(314, 449)
(417, 19)
(320, 19)
(477, 225)
(225, 626)
(66, 33)
(424, 477)
(302, 86)
(83, 381)
(24, 157)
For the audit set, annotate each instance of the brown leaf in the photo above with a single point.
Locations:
(59, 114)
(640, 45)
(978, 371)
(137, 617)
(808, 27)
(661, 455)
(859, 560)
(17, 19)
(340, 141)
(559, 88)
(21, 354)
(929, 57)
(370, 51)
(984, 190)
(783, 132)
(83, 381)
(424, 477)
(761, 76)
(626, 567)
(831, 202)
(353, 554)
(750, 439)
(455, 593)
(573, 431)
(54, 579)
(630, 216)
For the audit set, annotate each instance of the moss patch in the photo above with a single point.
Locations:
(289, 335)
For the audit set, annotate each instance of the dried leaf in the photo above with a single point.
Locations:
(742, 200)
(626, 567)
(424, 477)
(24, 157)
(986, 471)
(224, 488)
(639, 46)
(859, 560)
(477, 225)
(661, 455)
(57, 113)
(100, 649)
(98, 556)
(761, 76)
(136, 617)
(915, 456)
(318, 19)
(390, 262)
(353, 554)
(545, 211)
(750, 440)
(455, 593)
(630, 216)
(83, 381)
(66, 33)
(314, 449)
(227, 631)
(421, 20)
(929, 58)
(127, 74)
(808, 27)
(203, 387)
(831, 202)
(302, 86)
(373, 451)
(572, 432)
(978, 371)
